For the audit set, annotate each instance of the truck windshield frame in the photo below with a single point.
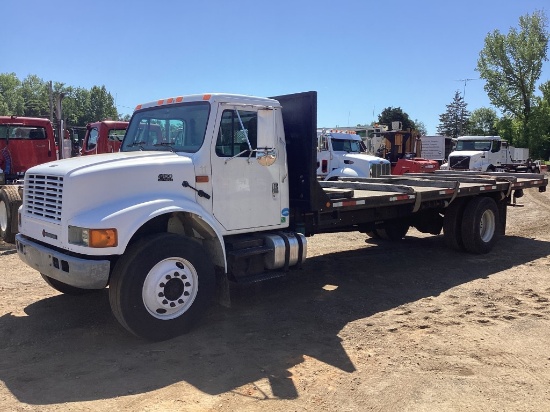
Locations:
(476, 145)
(176, 128)
(346, 145)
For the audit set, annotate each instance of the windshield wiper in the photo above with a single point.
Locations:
(140, 144)
(165, 144)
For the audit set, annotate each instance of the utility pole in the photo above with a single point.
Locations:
(61, 128)
(463, 102)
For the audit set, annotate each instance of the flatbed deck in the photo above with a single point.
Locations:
(427, 187)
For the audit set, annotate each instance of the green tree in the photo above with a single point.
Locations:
(35, 93)
(420, 127)
(11, 99)
(540, 124)
(512, 63)
(454, 122)
(102, 104)
(483, 122)
(395, 114)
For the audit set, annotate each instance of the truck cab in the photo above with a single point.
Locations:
(479, 153)
(342, 154)
(103, 137)
(24, 142)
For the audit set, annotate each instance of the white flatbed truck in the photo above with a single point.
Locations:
(228, 193)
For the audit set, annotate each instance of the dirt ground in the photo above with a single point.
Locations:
(409, 326)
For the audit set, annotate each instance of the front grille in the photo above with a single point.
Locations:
(377, 170)
(459, 162)
(43, 196)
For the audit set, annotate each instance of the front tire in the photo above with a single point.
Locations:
(480, 225)
(161, 286)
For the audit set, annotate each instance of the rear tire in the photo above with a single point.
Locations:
(480, 221)
(393, 230)
(373, 234)
(161, 286)
(452, 223)
(9, 205)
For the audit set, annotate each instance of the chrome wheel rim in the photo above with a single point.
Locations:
(170, 288)
(487, 226)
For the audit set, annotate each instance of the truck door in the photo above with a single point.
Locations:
(91, 140)
(245, 194)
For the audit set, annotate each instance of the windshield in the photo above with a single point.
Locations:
(22, 132)
(345, 145)
(462, 145)
(177, 128)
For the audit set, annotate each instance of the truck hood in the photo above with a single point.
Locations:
(363, 157)
(86, 164)
(469, 153)
(116, 180)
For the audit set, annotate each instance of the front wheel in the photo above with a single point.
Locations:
(161, 286)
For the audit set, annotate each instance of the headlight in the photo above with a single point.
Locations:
(98, 238)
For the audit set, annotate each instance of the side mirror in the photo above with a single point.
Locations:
(266, 154)
(266, 157)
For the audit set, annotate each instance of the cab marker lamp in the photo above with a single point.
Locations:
(96, 238)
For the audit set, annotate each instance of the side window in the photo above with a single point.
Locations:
(116, 135)
(496, 146)
(92, 139)
(232, 136)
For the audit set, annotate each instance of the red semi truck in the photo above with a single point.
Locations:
(103, 137)
(24, 142)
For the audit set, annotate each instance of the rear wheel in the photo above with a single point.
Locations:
(9, 204)
(393, 230)
(161, 286)
(452, 224)
(480, 225)
(373, 234)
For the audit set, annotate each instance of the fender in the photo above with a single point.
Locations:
(343, 172)
(130, 215)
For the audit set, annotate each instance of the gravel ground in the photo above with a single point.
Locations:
(409, 326)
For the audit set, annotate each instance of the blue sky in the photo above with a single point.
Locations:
(361, 56)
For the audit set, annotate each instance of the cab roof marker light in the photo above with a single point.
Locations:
(139, 106)
(206, 97)
(179, 99)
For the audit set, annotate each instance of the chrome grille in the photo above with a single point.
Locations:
(43, 196)
(459, 162)
(377, 170)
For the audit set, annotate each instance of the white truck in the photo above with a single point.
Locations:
(218, 188)
(342, 154)
(489, 154)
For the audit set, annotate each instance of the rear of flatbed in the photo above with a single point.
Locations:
(445, 201)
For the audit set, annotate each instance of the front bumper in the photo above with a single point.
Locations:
(77, 272)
